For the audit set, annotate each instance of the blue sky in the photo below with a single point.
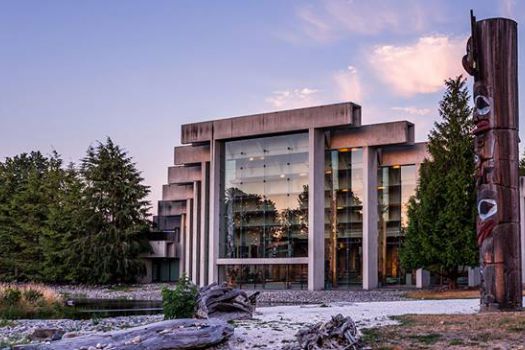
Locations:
(74, 72)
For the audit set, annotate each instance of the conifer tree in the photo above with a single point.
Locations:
(117, 223)
(441, 231)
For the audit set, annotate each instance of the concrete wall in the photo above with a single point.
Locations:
(373, 135)
(184, 174)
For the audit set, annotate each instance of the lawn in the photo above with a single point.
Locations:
(504, 330)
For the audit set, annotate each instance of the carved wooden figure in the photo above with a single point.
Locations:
(492, 59)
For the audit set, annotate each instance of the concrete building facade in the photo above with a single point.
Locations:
(304, 198)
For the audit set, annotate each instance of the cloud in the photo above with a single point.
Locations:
(348, 85)
(333, 19)
(412, 110)
(420, 67)
(507, 8)
(293, 98)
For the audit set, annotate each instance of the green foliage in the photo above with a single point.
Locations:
(72, 224)
(11, 296)
(33, 296)
(522, 165)
(180, 302)
(441, 232)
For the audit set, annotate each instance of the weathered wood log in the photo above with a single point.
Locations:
(221, 301)
(492, 58)
(338, 333)
(165, 335)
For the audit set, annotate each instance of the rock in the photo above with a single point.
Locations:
(226, 303)
(45, 334)
(171, 334)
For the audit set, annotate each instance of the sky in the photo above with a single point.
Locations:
(75, 72)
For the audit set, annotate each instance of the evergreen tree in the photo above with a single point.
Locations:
(27, 190)
(441, 233)
(522, 165)
(117, 223)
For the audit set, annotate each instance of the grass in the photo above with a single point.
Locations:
(439, 294)
(29, 301)
(486, 330)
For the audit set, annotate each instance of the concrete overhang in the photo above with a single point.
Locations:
(393, 133)
(182, 175)
(177, 192)
(335, 115)
(172, 208)
(406, 154)
(191, 154)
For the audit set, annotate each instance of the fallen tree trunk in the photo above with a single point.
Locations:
(226, 303)
(165, 335)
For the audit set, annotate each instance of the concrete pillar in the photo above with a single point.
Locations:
(370, 218)
(204, 225)
(215, 205)
(195, 239)
(316, 154)
(422, 278)
(189, 234)
(183, 244)
(474, 276)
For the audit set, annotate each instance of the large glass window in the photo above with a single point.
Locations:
(275, 276)
(265, 201)
(396, 184)
(343, 217)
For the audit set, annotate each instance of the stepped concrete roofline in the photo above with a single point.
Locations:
(333, 115)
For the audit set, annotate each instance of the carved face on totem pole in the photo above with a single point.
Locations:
(492, 141)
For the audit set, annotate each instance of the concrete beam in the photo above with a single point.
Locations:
(370, 219)
(373, 135)
(204, 223)
(191, 154)
(215, 212)
(182, 175)
(399, 155)
(316, 159)
(171, 208)
(177, 192)
(263, 261)
(341, 114)
(196, 232)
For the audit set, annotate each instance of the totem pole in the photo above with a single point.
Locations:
(492, 59)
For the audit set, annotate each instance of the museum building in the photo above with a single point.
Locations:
(306, 198)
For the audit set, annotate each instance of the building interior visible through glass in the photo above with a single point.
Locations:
(396, 184)
(265, 213)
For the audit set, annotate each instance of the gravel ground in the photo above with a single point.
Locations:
(272, 327)
(267, 297)
(14, 332)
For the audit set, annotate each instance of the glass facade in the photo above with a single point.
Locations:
(265, 198)
(396, 184)
(343, 217)
(276, 276)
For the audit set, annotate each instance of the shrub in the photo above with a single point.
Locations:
(181, 301)
(33, 296)
(11, 296)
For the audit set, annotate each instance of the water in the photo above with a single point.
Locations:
(102, 308)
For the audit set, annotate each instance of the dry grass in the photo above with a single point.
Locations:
(480, 331)
(438, 294)
(48, 295)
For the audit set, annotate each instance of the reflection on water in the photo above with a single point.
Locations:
(102, 308)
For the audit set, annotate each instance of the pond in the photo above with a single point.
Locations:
(102, 308)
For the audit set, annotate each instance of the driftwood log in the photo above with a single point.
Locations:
(226, 303)
(172, 334)
(339, 333)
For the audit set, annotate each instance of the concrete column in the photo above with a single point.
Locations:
(474, 276)
(214, 214)
(183, 244)
(204, 219)
(188, 247)
(370, 218)
(195, 242)
(422, 278)
(316, 154)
